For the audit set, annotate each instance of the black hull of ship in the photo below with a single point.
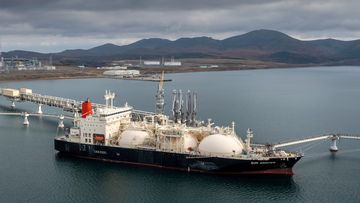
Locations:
(178, 161)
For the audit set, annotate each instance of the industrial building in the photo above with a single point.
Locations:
(15, 63)
(122, 73)
(112, 67)
(172, 62)
(152, 63)
(21, 63)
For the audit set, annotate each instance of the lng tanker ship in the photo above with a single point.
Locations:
(114, 134)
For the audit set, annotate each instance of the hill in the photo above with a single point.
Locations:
(263, 45)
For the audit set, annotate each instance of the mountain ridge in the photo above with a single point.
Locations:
(265, 45)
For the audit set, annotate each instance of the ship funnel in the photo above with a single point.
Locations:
(86, 108)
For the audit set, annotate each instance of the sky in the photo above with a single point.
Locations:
(56, 25)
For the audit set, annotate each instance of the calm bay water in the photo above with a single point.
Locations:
(278, 104)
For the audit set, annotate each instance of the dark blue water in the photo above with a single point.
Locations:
(278, 104)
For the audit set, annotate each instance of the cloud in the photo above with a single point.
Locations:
(53, 25)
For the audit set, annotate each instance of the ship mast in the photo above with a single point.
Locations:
(160, 101)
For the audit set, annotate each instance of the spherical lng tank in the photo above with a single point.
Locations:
(133, 137)
(220, 144)
(190, 142)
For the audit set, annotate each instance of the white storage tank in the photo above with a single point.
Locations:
(218, 144)
(133, 137)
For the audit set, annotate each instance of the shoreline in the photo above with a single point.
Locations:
(73, 73)
(50, 78)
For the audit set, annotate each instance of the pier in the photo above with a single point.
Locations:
(26, 115)
(140, 78)
(66, 104)
(69, 105)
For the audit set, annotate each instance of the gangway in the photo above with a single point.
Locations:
(332, 137)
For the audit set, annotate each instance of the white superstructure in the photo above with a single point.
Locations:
(101, 126)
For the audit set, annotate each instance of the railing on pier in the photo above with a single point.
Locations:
(332, 137)
(66, 104)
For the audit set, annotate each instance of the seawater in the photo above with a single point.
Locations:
(279, 104)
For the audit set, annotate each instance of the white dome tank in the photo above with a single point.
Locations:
(220, 144)
(133, 137)
(190, 142)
